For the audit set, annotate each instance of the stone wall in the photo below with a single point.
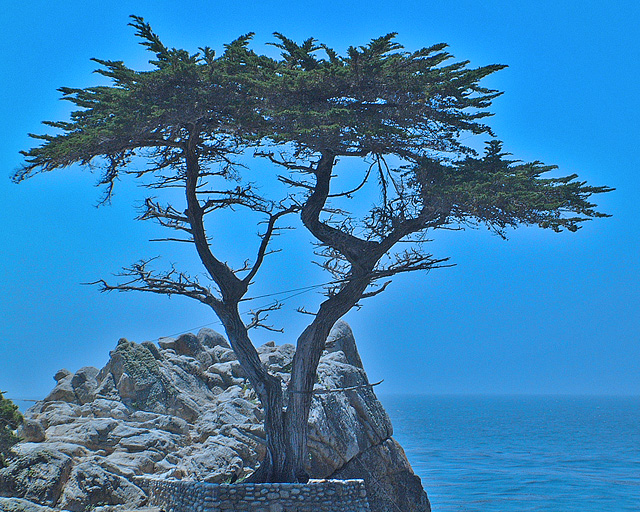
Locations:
(315, 496)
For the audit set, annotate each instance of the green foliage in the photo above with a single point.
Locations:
(377, 101)
(10, 419)
(502, 192)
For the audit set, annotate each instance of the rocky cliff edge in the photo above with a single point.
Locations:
(183, 409)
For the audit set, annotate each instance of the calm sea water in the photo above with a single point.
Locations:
(508, 454)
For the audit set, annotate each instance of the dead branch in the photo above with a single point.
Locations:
(169, 283)
(353, 191)
(260, 315)
(291, 165)
(382, 288)
(336, 390)
(190, 240)
(293, 183)
(166, 216)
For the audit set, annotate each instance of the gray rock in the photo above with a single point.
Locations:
(20, 505)
(229, 394)
(391, 483)
(63, 392)
(126, 387)
(214, 461)
(223, 354)
(168, 423)
(188, 345)
(107, 388)
(91, 433)
(156, 440)
(57, 413)
(341, 339)
(70, 449)
(170, 413)
(214, 381)
(229, 369)
(61, 374)
(104, 408)
(85, 383)
(278, 358)
(236, 411)
(149, 345)
(343, 424)
(37, 474)
(31, 431)
(210, 338)
(91, 485)
(266, 348)
(130, 464)
(166, 343)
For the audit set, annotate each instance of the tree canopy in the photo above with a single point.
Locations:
(412, 117)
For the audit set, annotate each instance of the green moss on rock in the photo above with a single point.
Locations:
(144, 370)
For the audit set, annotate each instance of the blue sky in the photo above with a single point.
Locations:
(539, 313)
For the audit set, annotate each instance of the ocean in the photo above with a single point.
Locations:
(522, 453)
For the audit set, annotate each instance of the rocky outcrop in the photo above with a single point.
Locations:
(183, 409)
(386, 465)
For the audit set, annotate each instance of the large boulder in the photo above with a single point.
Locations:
(391, 483)
(90, 485)
(185, 409)
(341, 339)
(37, 474)
(343, 424)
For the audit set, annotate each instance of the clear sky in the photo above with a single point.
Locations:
(539, 313)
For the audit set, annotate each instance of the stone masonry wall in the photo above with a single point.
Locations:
(314, 496)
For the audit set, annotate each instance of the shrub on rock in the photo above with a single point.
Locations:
(10, 419)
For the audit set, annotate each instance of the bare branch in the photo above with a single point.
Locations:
(382, 288)
(240, 196)
(260, 315)
(266, 238)
(353, 191)
(293, 183)
(169, 283)
(424, 262)
(337, 390)
(166, 216)
(289, 164)
(190, 240)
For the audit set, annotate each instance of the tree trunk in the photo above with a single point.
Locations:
(269, 390)
(310, 346)
(267, 386)
(303, 375)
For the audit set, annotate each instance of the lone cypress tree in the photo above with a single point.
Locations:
(396, 120)
(10, 419)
